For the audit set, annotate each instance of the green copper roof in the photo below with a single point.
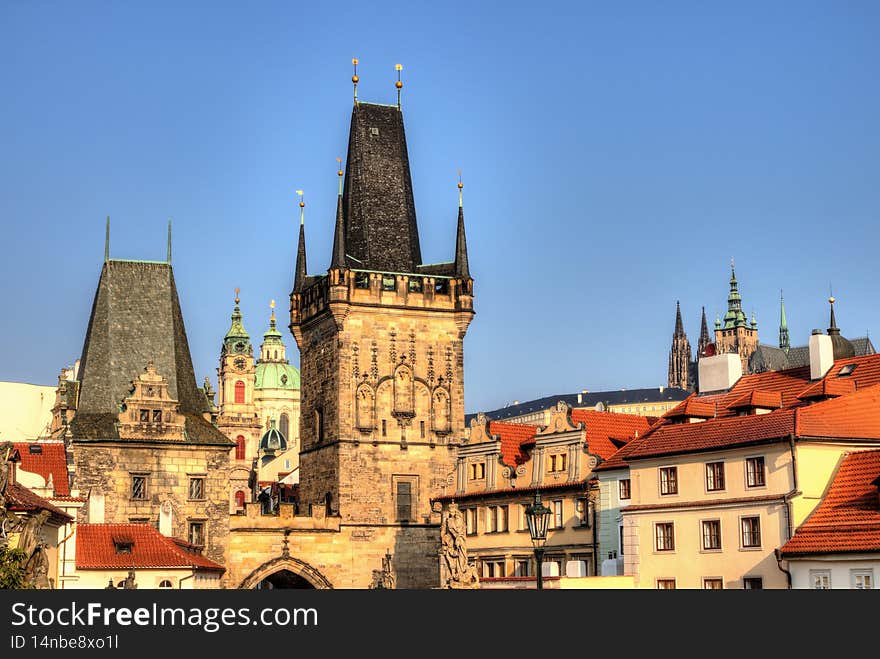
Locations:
(277, 375)
(734, 316)
(272, 335)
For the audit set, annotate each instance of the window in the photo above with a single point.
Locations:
(665, 584)
(470, 516)
(556, 462)
(820, 579)
(521, 567)
(664, 534)
(145, 416)
(139, 487)
(404, 501)
(239, 447)
(582, 509)
(714, 476)
(478, 470)
(497, 519)
(751, 531)
(441, 286)
(239, 391)
(523, 520)
(668, 480)
(287, 464)
(387, 283)
(361, 280)
(493, 568)
(196, 488)
(620, 538)
(623, 486)
(122, 546)
(196, 535)
(284, 425)
(239, 499)
(384, 428)
(712, 534)
(157, 416)
(713, 584)
(755, 472)
(165, 583)
(422, 429)
(415, 285)
(319, 424)
(862, 579)
(556, 507)
(753, 583)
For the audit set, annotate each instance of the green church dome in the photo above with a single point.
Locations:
(277, 375)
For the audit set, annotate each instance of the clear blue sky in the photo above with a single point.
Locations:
(615, 156)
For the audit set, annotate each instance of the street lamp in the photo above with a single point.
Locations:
(538, 517)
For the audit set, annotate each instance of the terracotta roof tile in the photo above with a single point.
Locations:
(694, 407)
(21, 499)
(601, 427)
(95, 549)
(848, 518)
(512, 435)
(856, 416)
(828, 388)
(49, 458)
(758, 398)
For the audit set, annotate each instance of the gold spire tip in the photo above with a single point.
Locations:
(272, 304)
(237, 291)
(339, 162)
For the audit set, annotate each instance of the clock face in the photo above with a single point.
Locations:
(240, 364)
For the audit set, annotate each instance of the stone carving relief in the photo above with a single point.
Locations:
(455, 570)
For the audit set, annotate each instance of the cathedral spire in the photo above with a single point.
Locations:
(338, 259)
(734, 316)
(107, 241)
(461, 256)
(784, 342)
(704, 335)
(832, 326)
(300, 276)
(679, 326)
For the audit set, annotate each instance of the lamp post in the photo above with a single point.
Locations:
(538, 517)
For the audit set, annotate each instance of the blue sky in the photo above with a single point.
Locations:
(615, 157)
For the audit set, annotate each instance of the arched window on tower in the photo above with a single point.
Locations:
(239, 499)
(239, 392)
(239, 447)
(285, 425)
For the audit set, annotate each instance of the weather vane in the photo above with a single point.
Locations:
(237, 291)
(460, 188)
(339, 173)
(302, 206)
(399, 83)
(354, 78)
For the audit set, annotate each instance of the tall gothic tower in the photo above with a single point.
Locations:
(736, 334)
(679, 354)
(381, 344)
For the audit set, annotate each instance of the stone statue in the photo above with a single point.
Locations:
(36, 570)
(384, 578)
(31, 532)
(455, 571)
(129, 583)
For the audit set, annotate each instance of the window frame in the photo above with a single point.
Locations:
(703, 535)
(558, 513)
(713, 580)
(670, 540)
(191, 525)
(196, 478)
(666, 482)
(413, 481)
(668, 583)
(820, 573)
(742, 533)
(759, 580)
(714, 476)
(855, 573)
(145, 496)
(763, 472)
(627, 489)
(583, 516)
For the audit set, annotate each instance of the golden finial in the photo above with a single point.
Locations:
(354, 78)
(302, 206)
(460, 188)
(399, 83)
(830, 294)
(237, 291)
(272, 307)
(339, 174)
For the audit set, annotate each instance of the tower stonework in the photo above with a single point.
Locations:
(679, 355)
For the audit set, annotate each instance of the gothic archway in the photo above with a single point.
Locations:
(286, 572)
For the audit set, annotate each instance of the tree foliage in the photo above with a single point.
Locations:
(12, 562)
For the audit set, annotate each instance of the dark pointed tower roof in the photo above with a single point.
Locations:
(338, 260)
(461, 255)
(136, 319)
(379, 211)
(299, 276)
(679, 326)
(735, 317)
(704, 335)
(842, 347)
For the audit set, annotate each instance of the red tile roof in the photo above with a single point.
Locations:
(828, 388)
(758, 398)
(848, 518)
(21, 499)
(95, 549)
(50, 460)
(604, 427)
(513, 435)
(676, 438)
(856, 416)
(694, 407)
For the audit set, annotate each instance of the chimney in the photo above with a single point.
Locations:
(719, 372)
(580, 398)
(661, 388)
(821, 354)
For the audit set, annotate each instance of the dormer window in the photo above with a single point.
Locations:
(122, 547)
(846, 370)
